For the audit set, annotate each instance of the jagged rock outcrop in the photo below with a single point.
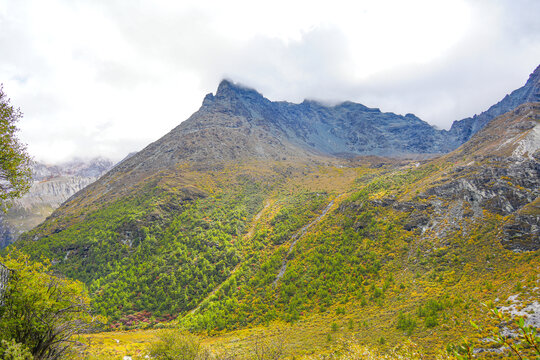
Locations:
(53, 184)
(498, 170)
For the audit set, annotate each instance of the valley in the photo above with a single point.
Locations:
(332, 224)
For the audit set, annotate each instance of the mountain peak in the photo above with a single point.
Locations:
(533, 86)
(225, 84)
(228, 89)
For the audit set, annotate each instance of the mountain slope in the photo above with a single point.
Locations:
(238, 123)
(248, 213)
(425, 243)
(500, 168)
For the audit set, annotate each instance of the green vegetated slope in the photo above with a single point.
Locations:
(163, 249)
(383, 250)
(375, 274)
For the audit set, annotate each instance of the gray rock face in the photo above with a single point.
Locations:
(501, 186)
(347, 129)
(53, 184)
(522, 233)
(501, 174)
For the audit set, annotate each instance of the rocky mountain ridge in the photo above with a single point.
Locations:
(238, 123)
(348, 128)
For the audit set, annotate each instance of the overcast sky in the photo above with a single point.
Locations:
(106, 77)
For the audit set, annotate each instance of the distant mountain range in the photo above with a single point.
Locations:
(52, 185)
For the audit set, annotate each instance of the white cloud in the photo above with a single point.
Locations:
(107, 77)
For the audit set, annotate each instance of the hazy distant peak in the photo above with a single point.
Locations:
(94, 168)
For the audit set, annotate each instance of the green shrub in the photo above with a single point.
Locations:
(175, 344)
(430, 312)
(377, 292)
(431, 321)
(11, 350)
(406, 323)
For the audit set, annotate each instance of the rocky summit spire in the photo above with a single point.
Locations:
(536, 73)
(229, 89)
(230, 94)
